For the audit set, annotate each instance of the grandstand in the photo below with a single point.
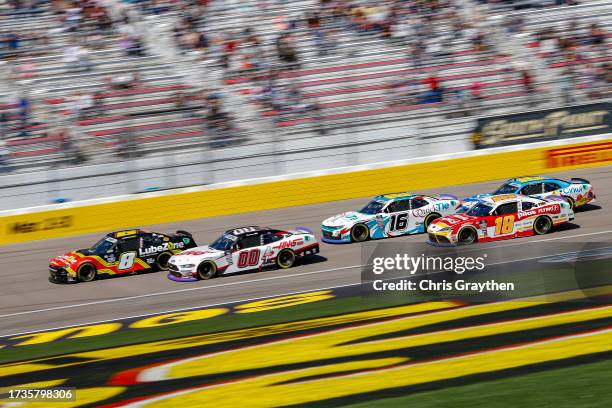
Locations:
(89, 84)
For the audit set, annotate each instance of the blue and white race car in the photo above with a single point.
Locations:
(577, 192)
(388, 215)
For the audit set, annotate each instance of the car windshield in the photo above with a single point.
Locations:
(104, 245)
(507, 188)
(480, 210)
(373, 207)
(224, 242)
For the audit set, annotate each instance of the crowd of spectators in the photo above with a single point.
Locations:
(424, 31)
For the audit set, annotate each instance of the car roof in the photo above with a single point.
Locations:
(500, 199)
(395, 196)
(530, 179)
(239, 231)
(127, 233)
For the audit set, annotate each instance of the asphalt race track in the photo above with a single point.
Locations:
(30, 302)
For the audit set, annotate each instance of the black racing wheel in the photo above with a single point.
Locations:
(207, 270)
(86, 273)
(542, 225)
(467, 236)
(285, 259)
(360, 233)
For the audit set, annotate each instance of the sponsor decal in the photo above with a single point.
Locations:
(50, 223)
(166, 246)
(549, 124)
(579, 155)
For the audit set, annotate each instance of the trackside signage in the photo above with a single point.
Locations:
(599, 153)
(543, 125)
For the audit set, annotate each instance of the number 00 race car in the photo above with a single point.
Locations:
(119, 253)
(577, 191)
(388, 215)
(243, 249)
(501, 217)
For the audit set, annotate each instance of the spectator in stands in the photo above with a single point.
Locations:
(76, 57)
(123, 81)
(82, 105)
(5, 155)
(567, 85)
(287, 53)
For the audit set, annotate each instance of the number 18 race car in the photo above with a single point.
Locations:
(388, 215)
(119, 253)
(243, 249)
(501, 217)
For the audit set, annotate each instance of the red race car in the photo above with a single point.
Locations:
(500, 217)
(119, 253)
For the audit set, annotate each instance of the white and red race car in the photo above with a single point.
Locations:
(501, 216)
(243, 249)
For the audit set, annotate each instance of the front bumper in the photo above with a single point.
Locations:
(336, 241)
(439, 240)
(60, 275)
(181, 278)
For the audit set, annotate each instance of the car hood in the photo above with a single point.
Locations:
(451, 221)
(68, 259)
(196, 255)
(345, 219)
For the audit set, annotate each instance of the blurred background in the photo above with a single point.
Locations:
(101, 98)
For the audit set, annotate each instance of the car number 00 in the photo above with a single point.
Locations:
(248, 258)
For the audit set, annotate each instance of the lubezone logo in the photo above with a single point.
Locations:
(166, 246)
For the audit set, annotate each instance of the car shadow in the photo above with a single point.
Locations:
(568, 226)
(587, 208)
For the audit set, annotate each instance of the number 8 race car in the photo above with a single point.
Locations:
(501, 217)
(119, 253)
(388, 215)
(243, 249)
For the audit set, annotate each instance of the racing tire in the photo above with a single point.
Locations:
(360, 233)
(571, 202)
(207, 270)
(542, 225)
(429, 219)
(86, 273)
(467, 236)
(162, 261)
(285, 259)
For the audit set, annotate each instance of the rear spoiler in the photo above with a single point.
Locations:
(577, 180)
(182, 232)
(304, 230)
(448, 197)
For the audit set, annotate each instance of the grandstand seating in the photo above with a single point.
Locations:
(349, 85)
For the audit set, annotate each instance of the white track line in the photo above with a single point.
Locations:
(264, 279)
(170, 292)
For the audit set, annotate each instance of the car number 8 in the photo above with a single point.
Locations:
(126, 261)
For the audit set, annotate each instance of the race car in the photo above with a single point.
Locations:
(388, 215)
(577, 191)
(243, 249)
(500, 217)
(119, 253)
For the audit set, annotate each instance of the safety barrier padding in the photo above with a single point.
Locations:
(136, 212)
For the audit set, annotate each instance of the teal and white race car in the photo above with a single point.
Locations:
(388, 215)
(577, 192)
